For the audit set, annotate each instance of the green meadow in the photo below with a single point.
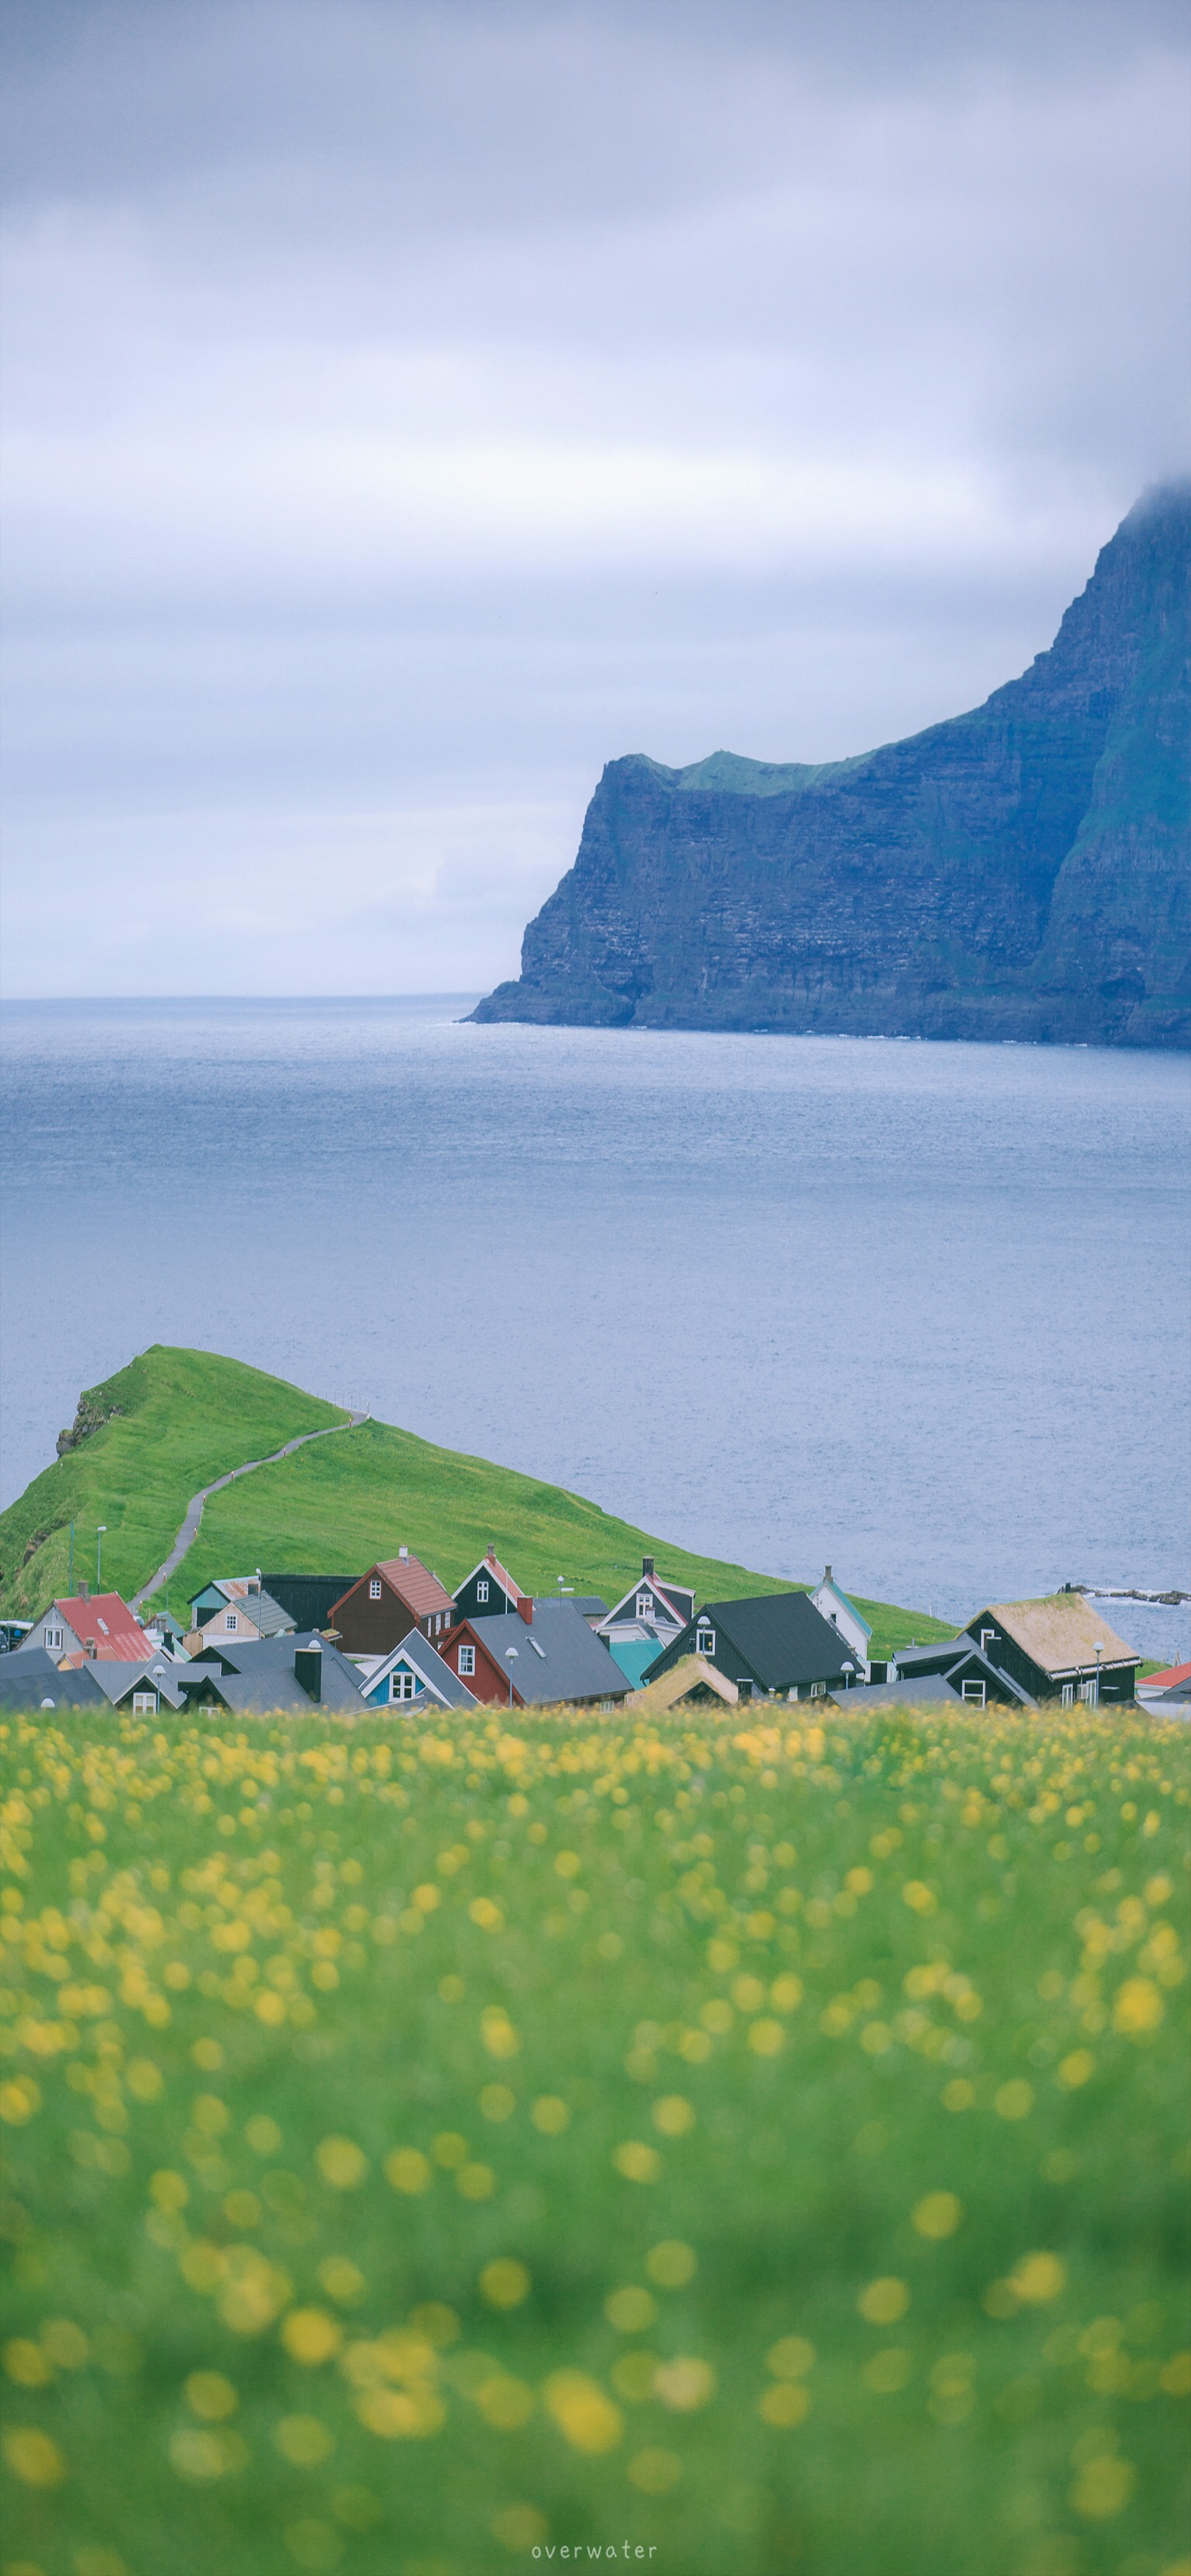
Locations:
(446, 2149)
(186, 1417)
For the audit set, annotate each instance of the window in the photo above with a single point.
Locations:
(231, 1621)
(374, 1588)
(745, 1689)
(482, 1588)
(974, 1691)
(644, 1605)
(1087, 1692)
(144, 1703)
(818, 1690)
(1068, 1694)
(704, 1640)
(467, 1660)
(606, 1707)
(401, 1685)
(55, 1639)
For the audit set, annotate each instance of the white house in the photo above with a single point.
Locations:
(834, 1605)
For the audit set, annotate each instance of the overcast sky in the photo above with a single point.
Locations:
(410, 408)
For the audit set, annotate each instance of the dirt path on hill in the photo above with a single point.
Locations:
(194, 1509)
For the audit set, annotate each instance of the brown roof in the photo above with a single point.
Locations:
(413, 1583)
(1061, 1632)
(682, 1678)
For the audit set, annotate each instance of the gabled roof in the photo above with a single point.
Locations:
(416, 1655)
(490, 1564)
(109, 1620)
(959, 1658)
(260, 1673)
(558, 1658)
(1169, 1679)
(781, 1636)
(677, 1601)
(28, 1676)
(413, 1583)
(117, 1679)
(829, 1584)
(240, 1593)
(1060, 1632)
(690, 1673)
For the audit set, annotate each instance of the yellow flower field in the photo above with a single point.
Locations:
(441, 2148)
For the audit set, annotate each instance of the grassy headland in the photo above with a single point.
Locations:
(187, 1416)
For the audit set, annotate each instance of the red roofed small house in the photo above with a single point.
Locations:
(397, 1593)
(75, 1631)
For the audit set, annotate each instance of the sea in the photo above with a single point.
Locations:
(917, 1310)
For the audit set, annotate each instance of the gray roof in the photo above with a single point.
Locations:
(558, 1658)
(259, 1675)
(31, 1676)
(899, 1694)
(948, 1655)
(116, 1679)
(780, 1635)
(441, 1682)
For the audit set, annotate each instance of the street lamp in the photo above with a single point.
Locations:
(100, 1534)
(1098, 1650)
(510, 1659)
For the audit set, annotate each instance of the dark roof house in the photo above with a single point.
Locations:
(297, 1673)
(968, 1671)
(652, 1606)
(415, 1676)
(1057, 1647)
(308, 1599)
(776, 1642)
(548, 1655)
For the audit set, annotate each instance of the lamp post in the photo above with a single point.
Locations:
(100, 1534)
(1098, 1650)
(510, 1659)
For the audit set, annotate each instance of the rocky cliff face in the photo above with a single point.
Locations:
(1018, 872)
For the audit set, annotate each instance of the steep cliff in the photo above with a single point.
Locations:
(1021, 871)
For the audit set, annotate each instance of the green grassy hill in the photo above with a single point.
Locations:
(177, 1419)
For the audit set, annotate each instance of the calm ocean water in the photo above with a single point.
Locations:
(919, 1309)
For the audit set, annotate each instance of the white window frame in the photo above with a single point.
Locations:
(482, 1588)
(144, 1703)
(467, 1661)
(644, 1604)
(1068, 1694)
(818, 1690)
(704, 1641)
(402, 1685)
(744, 1687)
(1087, 1693)
(55, 1639)
(374, 1587)
(976, 1693)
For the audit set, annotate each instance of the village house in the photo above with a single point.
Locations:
(235, 1605)
(647, 1618)
(833, 1604)
(102, 1628)
(1057, 1648)
(397, 1593)
(256, 1675)
(36, 1680)
(489, 1591)
(1171, 1686)
(548, 1654)
(414, 1676)
(774, 1644)
(961, 1668)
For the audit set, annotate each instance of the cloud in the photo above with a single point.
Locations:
(410, 409)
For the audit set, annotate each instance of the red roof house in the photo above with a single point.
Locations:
(99, 1627)
(397, 1593)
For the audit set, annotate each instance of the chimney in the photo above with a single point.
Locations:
(647, 1565)
(308, 1671)
(90, 1646)
(525, 1606)
(403, 1553)
(827, 1574)
(84, 1591)
(491, 1551)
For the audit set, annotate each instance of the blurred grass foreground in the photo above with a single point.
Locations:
(449, 2149)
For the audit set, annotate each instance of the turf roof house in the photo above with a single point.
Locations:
(80, 1628)
(1058, 1648)
(777, 1642)
(548, 1655)
(397, 1594)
